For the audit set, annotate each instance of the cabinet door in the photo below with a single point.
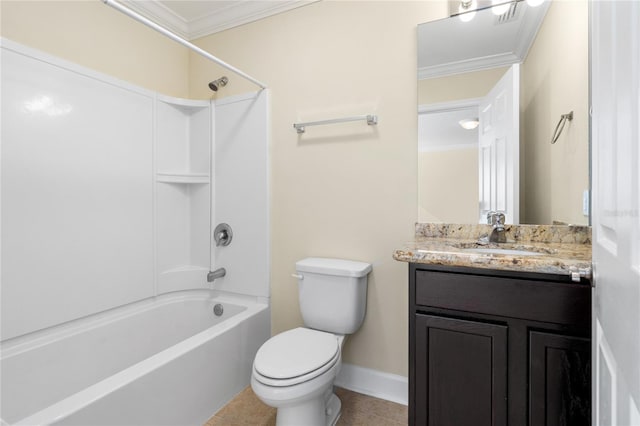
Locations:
(461, 372)
(560, 380)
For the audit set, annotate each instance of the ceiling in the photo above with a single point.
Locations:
(193, 19)
(446, 46)
(444, 133)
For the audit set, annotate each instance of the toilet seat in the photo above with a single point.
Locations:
(295, 356)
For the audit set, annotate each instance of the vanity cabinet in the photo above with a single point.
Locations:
(498, 348)
(460, 371)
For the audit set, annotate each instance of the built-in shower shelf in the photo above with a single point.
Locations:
(187, 106)
(188, 178)
(183, 193)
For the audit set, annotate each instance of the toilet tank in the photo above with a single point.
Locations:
(332, 293)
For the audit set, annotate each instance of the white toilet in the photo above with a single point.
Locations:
(294, 370)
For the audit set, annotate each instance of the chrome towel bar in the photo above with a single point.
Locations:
(371, 120)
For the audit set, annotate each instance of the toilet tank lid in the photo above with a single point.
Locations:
(327, 266)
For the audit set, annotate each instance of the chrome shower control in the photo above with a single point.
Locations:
(223, 235)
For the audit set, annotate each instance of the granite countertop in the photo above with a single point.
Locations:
(562, 250)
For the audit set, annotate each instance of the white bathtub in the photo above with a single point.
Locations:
(163, 361)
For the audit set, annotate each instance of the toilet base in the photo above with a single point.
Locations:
(334, 410)
(316, 412)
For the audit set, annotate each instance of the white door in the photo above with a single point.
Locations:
(615, 101)
(499, 148)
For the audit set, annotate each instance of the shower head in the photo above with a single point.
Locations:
(216, 84)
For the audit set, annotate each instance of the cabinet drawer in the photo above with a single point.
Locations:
(560, 303)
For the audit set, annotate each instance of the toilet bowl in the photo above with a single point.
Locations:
(294, 371)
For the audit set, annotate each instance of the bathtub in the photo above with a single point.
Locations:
(168, 360)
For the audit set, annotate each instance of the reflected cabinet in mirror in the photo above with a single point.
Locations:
(493, 89)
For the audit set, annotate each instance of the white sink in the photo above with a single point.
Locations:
(508, 252)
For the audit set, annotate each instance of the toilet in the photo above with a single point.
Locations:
(294, 371)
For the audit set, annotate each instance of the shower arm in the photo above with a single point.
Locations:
(174, 37)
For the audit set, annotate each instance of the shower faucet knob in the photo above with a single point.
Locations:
(222, 235)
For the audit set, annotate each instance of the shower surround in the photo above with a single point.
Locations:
(109, 194)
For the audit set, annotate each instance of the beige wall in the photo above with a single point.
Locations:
(94, 35)
(555, 80)
(345, 190)
(448, 186)
(457, 87)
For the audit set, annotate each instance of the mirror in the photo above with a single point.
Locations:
(459, 63)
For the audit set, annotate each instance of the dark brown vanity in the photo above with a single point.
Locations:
(496, 346)
(498, 349)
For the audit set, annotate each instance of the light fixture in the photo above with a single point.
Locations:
(469, 123)
(500, 7)
(534, 3)
(467, 10)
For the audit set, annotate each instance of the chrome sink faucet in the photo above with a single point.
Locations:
(496, 219)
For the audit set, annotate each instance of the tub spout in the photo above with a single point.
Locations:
(218, 273)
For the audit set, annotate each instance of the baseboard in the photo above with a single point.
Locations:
(390, 387)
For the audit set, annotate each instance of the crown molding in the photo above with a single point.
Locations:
(470, 65)
(238, 13)
(529, 30)
(161, 15)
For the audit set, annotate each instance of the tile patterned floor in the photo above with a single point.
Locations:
(357, 410)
